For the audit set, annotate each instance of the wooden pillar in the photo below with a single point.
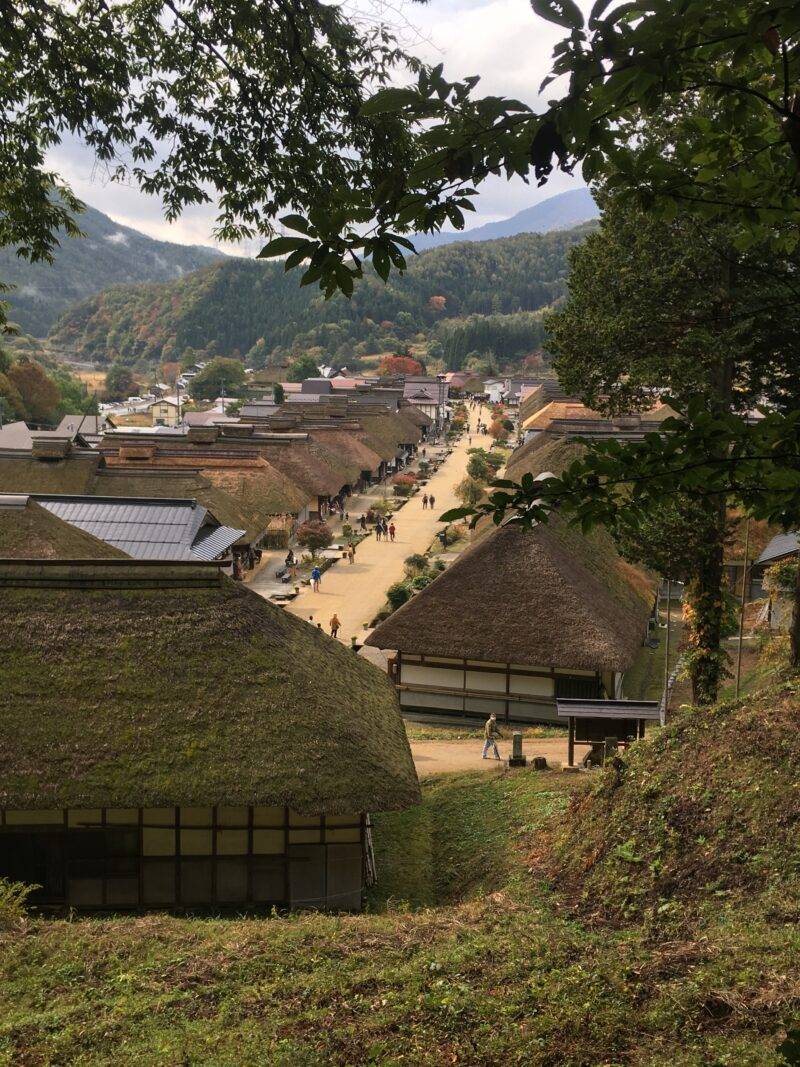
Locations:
(571, 742)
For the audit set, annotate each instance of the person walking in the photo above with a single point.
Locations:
(316, 578)
(424, 501)
(335, 625)
(378, 530)
(491, 732)
(351, 553)
(392, 531)
(385, 529)
(431, 501)
(363, 523)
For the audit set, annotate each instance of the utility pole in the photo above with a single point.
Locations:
(666, 647)
(741, 612)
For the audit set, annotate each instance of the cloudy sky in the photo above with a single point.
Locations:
(502, 40)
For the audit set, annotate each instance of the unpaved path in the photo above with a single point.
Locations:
(357, 592)
(449, 757)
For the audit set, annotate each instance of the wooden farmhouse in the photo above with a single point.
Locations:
(169, 739)
(521, 619)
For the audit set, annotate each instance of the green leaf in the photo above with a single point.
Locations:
(388, 100)
(563, 12)
(454, 514)
(279, 246)
(297, 222)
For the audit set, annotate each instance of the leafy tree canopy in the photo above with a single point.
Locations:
(120, 382)
(301, 368)
(218, 376)
(391, 365)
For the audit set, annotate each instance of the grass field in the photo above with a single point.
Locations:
(95, 380)
(466, 956)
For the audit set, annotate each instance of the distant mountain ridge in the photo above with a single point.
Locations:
(561, 212)
(109, 254)
(236, 304)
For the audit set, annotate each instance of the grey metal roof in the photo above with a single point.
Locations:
(144, 528)
(781, 545)
(607, 709)
(213, 541)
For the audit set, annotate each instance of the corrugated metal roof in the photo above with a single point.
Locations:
(146, 529)
(781, 545)
(213, 542)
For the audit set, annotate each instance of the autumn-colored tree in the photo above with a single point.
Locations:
(38, 392)
(314, 535)
(498, 431)
(437, 303)
(170, 372)
(391, 365)
(11, 404)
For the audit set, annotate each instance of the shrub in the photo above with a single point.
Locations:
(406, 478)
(439, 565)
(415, 564)
(397, 595)
(13, 896)
(478, 468)
(314, 535)
(469, 492)
(421, 581)
(402, 490)
(781, 578)
(347, 530)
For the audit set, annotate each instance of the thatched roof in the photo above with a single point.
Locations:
(386, 433)
(170, 684)
(543, 453)
(311, 465)
(352, 451)
(20, 472)
(260, 489)
(29, 531)
(544, 597)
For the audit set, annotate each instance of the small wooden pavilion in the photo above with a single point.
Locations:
(597, 722)
(169, 739)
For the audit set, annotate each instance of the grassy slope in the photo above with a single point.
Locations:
(486, 962)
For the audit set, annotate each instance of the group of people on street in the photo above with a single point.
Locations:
(385, 530)
(428, 501)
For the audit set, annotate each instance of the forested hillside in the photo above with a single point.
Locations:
(226, 309)
(108, 254)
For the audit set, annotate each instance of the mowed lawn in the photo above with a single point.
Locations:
(465, 957)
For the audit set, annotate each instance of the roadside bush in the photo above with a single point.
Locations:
(421, 581)
(314, 535)
(478, 468)
(404, 478)
(13, 896)
(397, 595)
(415, 564)
(402, 490)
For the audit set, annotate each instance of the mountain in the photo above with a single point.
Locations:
(560, 212)
(108, 254)
(228, 307)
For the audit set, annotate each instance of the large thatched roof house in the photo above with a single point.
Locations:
(521, 618)
(169, 739)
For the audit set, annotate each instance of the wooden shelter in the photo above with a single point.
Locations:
(600, 722)
(169, 739)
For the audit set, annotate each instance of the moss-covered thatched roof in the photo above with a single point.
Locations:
(543, 453)
(149, 684)
(32, 532)
(386, 433)
(260, 488)
(20, 472)
(311, 465)
(352, 451)
(547, 597)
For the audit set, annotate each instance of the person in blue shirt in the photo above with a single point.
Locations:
(316, 576)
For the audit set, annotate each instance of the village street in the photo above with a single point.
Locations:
(357, 592)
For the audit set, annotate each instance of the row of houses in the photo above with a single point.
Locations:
(168, 738)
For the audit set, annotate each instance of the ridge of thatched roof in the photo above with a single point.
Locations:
(131, 684)
(386, 433)
(548, 597)
(30, 531)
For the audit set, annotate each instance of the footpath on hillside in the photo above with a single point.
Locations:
(357, 592)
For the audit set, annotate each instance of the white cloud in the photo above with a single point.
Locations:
(501, 40)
